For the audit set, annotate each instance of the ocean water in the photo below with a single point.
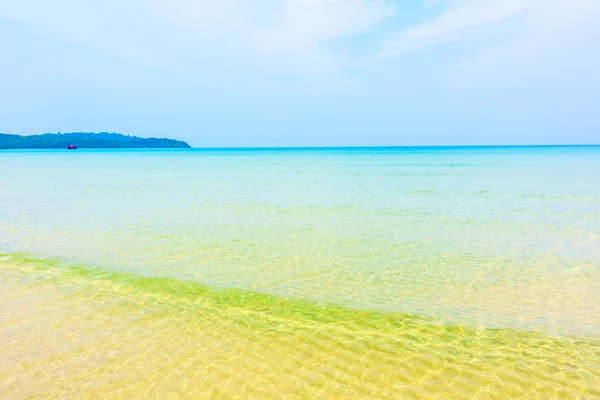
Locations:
(400, 273)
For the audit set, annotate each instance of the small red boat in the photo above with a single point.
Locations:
(71, 147)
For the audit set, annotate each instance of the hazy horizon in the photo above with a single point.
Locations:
(475, 145)
(317, 147)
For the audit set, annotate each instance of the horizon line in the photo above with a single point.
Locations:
(385, 146)
(241, 148)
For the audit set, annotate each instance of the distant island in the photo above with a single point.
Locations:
(86, 140)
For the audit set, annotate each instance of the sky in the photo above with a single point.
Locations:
(259, 73)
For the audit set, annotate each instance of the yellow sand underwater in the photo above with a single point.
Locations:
(87, 333)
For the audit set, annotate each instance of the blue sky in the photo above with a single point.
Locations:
(304, 72)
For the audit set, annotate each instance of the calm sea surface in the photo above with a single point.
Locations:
(396, 273)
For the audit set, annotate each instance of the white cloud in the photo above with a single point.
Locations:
(555, 45)
(461, 20)
(541, 44)
(305, 25)
(187, 35)
(176, 32)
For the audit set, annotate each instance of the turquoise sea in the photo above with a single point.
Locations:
(426, 273)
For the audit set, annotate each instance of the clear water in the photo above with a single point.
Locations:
(322, 273)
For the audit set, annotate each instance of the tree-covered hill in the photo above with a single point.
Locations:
(85, 140)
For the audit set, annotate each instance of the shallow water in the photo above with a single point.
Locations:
(346, 273)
